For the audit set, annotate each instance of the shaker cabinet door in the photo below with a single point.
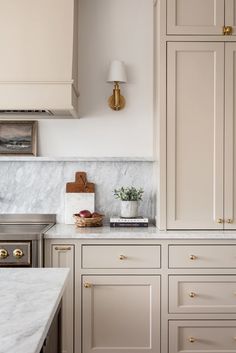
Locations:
(195, 135)
(121, 314)
(230, 14)
(230, 136)
(62, 255)
(195, 17)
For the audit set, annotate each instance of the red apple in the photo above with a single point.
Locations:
(85, 214)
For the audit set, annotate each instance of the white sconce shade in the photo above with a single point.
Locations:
(117, 72)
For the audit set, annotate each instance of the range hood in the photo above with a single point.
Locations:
(39, 59)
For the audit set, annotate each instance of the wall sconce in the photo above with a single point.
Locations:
(117, 74)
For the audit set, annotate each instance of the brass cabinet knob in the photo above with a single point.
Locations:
(227, 30)
(192, 294)
(193, 257)
(229, 220)
(18, 253)
(122, 257)
(191, 339)
(87, 285)
(220, 220)
(3, 254)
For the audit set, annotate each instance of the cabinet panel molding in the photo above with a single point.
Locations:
(121, 314)
(62, 255)
(195, 17)
(195, 135)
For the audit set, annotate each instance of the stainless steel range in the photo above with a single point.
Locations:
(21, 239)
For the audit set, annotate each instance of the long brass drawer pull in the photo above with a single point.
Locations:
(193, 257)
(63, 248)
(87, 285)
(122, 257)
(192, 295)
(192, 339)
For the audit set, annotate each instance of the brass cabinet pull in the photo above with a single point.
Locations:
(220, 220)
(192, 294)
(63, 248)
(193, 257)
(191, 339)
(18, 253)
(87, 285)
(122, 257)
(229, 220)
(3, 254)
(227, 30)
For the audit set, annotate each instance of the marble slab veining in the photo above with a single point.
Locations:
(29, 299)
(64, 231)
(39, 187)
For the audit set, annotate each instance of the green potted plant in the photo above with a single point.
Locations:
(130, 197)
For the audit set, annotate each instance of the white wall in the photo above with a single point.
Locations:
(109, 29)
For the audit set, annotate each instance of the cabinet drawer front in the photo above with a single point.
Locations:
(202, 256)
(202, 294)
(202, 336)
(121, 256)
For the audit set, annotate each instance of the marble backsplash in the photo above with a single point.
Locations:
(39, 187)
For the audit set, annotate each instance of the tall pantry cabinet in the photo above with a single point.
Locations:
(196, 108)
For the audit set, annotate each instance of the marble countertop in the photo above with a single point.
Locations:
(64, 231)
(29, 299)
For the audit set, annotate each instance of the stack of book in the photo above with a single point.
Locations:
(129, 222)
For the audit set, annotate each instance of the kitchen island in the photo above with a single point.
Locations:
(29, 300)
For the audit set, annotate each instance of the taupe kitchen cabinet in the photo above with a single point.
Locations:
(121, 314)
(195, 135)
(200, 17)
(137, 295)
(63, 255)
(201, 133)
(196, 112)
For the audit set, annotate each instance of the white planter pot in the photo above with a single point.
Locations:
(129, 209)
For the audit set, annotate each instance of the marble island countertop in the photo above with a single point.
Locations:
(29, 299)
(65, 231)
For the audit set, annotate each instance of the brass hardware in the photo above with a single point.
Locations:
(63, 248)
(3, 254)
(192, 294)
(193, 257)
(122, 257)
(18, 253)
(87, 285)
(229, 220)
(227, 30)
(192, 339)
(116, 101)
(220, 220)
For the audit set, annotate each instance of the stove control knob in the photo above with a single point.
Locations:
(3, 254)
(18, 253)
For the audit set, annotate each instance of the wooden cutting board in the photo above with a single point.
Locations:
(80, 195)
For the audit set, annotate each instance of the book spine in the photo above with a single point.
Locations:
(120, 224)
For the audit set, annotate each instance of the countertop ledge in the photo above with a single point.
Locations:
(29, 299)
(64, 231)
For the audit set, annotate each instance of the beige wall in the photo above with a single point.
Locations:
(109, 29)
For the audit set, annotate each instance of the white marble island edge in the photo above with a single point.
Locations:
(29, 299)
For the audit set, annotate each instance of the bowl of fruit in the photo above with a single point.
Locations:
(86, 218)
